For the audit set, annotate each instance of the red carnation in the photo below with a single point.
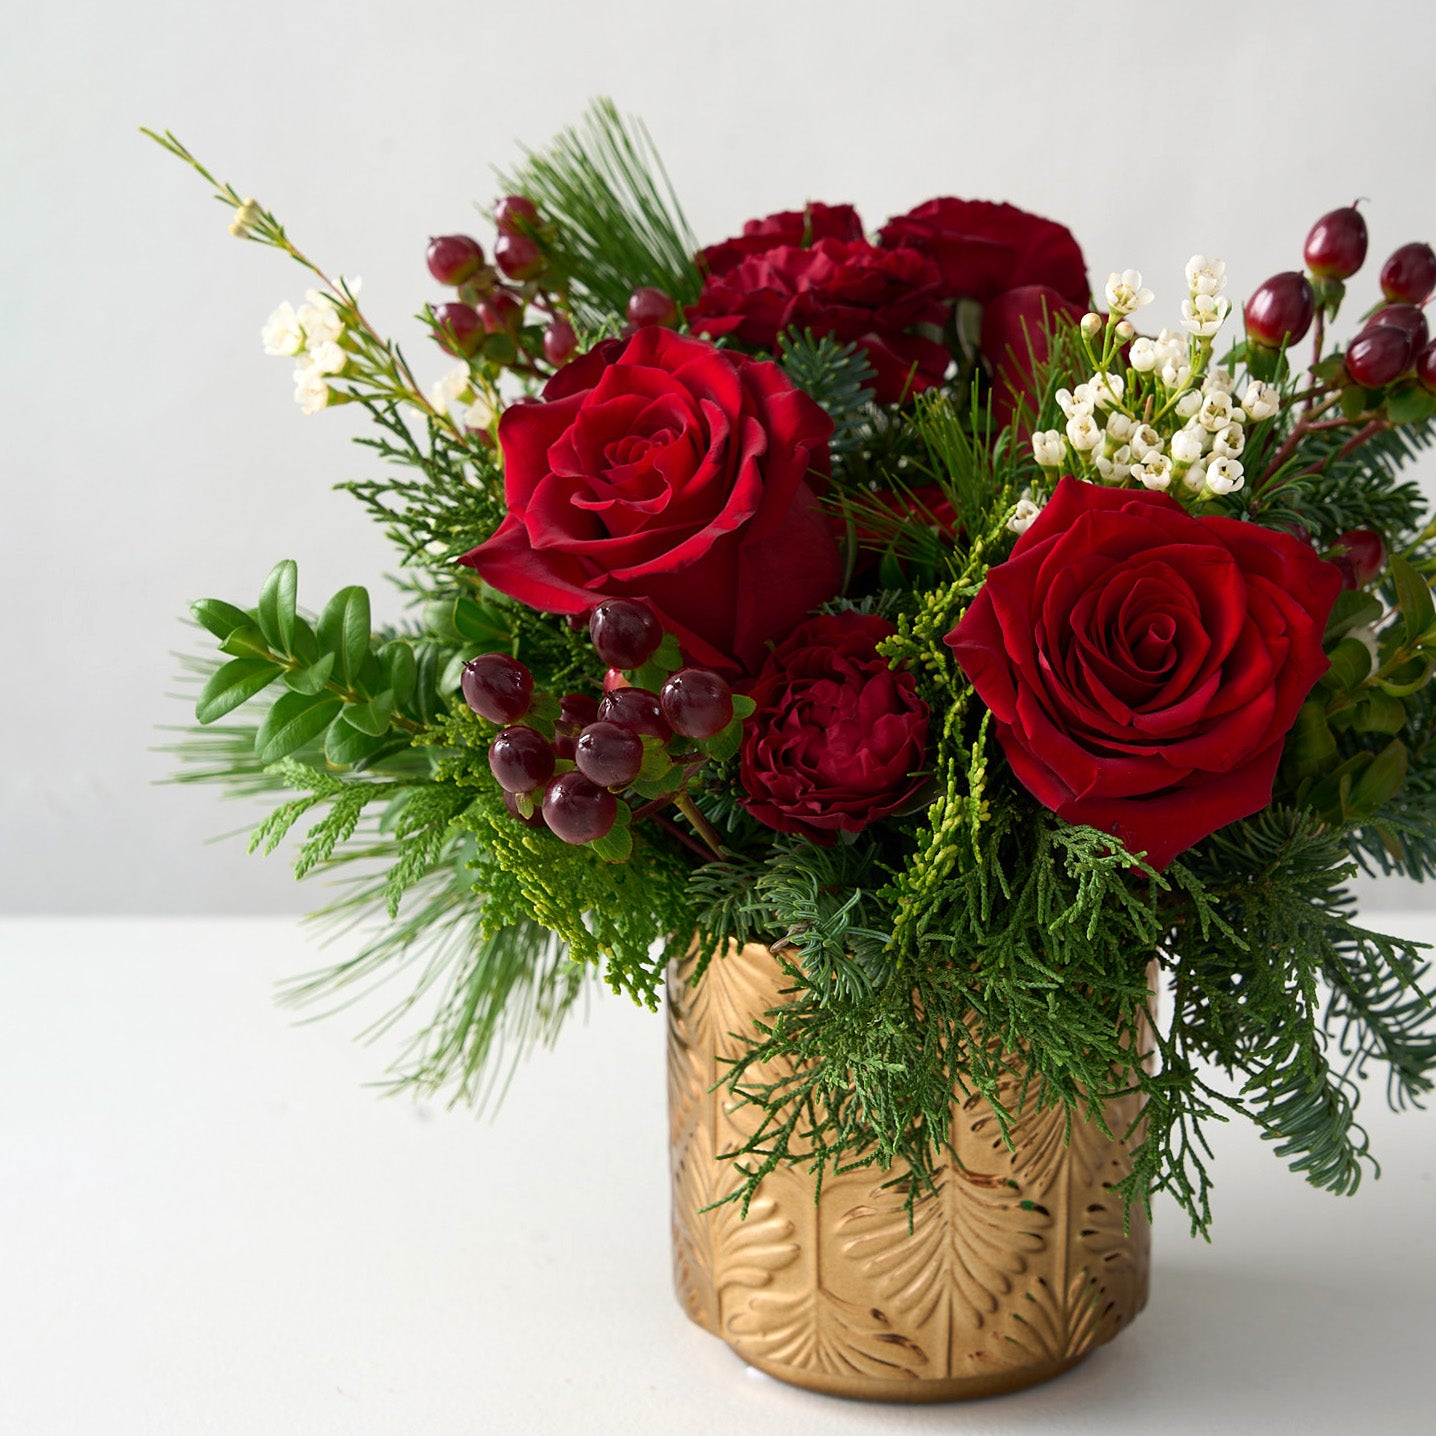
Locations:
(799, 227)
(1143, 666)
(838, 737)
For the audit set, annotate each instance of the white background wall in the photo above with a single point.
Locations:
(151, 453)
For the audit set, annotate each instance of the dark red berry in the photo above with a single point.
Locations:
(1336, 246)
(638, 709)
(518, 256)
(1280, 310)
(521, 759)
(1426, 367)
(1405, 317)
(454, 258)
(625, 633)
(652, 306)
(697, 703)
(577, 710)
(534, 819)
(460, 330)
(1409, 275)
(608, 755)
(577, 810)
(497, 687)
(501, 313)
(1377, 356)
(559, 342)
(615, 679)
(515, 213)
(1365, 553)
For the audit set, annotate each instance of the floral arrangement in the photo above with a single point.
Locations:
(885, 600)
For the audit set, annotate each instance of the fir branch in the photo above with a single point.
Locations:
(616, 220)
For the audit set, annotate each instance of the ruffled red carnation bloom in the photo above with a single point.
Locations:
(838, 738)
(799, 227)
(849, 289)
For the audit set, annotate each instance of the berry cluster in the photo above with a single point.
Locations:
(487, 319)
(566, 763)
(1395, 340)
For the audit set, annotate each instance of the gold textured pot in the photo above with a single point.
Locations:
(1016, 1268)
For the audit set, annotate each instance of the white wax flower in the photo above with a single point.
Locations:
(1143, 355)
(1146, 442)
(311, 391)
(319, 319)
(1206, 276)
(1125, 294)
(1171, 346)
(1188, 404)
(479, 414)
(1121, 463)
(246, 217)
(1119, 428)
(1047, 448)
(1225, 476)
(281, 332)
(1155, 474)
(1195, 478)
(1215, 412)
(1091, 325)
(1124, 330)
(1176, 373)
(1024, 516)
(1219, 381)
(1229, 442)
(1077, 402)
(449, 388)
(1261, 401)
(1188, 445)
(1083, 433)
(1203, 314)
(1106, 388)
(327, 358)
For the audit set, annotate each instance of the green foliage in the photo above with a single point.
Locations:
(839, 377)
(617, 223)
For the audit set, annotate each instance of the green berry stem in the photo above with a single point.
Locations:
(701, 825)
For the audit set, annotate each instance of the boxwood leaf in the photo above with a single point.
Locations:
(345, 745)
(295, 719)
(277, 600)
(219, 617)
(246, 642)
(238, 680)
(313, 678)
(344, 630)
(1418, 612)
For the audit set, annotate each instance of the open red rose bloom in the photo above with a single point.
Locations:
(664, 469)
(1144, 666)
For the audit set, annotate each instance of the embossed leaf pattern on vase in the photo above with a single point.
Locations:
(1015, 1267)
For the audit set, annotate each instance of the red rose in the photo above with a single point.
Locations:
(661, 468)
(1016, 333)
(847, 288)
(982, 249)
(1143, 666)
(790, 226)
(838, 737)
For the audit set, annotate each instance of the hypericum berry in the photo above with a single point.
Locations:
(518, 256)
(638, 709)
(614, 679)
(559, 342)
(1426, 367)
(534, 819)
(1377, 356)
(1405, 317)
(577, 710)
(697, 703)
(521, 759)
(577, 810)
(608, 755)
(625, 633)
(1362, 554)
(1336, 246)
(515, 213)
(454, 258)
(460, 330)
(1409, 275)
(501, 313)
(652, 306)
(497, 687)
(1280, 310)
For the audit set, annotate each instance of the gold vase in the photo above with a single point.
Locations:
(1015, 1269)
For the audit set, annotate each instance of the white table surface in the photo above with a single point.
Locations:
(208, 1223)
